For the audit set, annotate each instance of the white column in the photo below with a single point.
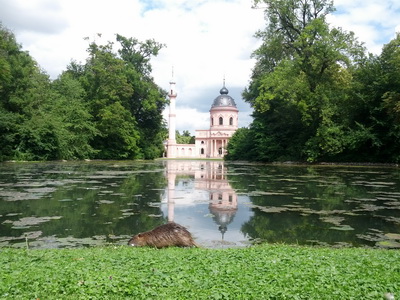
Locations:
(171, 145)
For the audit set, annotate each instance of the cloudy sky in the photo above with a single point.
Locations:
(206, 40)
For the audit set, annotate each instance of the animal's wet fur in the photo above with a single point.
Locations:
(167, 235)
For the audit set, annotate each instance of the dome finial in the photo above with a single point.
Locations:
(224, 90)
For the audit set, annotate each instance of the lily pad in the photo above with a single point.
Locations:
(41, 190)
(393, 236)
(271, 209)
(105, 202)
(335, 220)
(388, 244)
(342, 228)
(33, 234)
(209, 216)
(31, 221)
(155, 216)
(13, 214)
(17, 196)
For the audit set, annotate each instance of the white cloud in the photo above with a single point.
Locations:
(206, 39)
(37, 16)
(374, 22)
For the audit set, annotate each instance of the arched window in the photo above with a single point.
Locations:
(212, 121)
(202, 151)
(231, 121)
(221, 121)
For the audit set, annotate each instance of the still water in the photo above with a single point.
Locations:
(75, 204)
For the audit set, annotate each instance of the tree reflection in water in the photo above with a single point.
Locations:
(223, 204)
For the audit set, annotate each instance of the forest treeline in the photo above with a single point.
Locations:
(316, 94)
(105, 108)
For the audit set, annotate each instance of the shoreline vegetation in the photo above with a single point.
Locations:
(292, 163)
(268, 271)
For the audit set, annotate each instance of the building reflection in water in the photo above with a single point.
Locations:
(201, 193)
(223, 199)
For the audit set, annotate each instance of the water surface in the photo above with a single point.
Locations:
(74, 204)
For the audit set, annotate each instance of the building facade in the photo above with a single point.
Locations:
(211, 142)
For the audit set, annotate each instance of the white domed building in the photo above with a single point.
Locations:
(209, 143)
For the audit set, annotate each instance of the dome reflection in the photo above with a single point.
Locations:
(194, 184)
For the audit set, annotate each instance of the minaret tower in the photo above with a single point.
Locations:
(171, 145)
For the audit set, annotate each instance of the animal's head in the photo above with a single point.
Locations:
(137, 240)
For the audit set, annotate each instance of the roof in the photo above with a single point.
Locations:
(223, 99)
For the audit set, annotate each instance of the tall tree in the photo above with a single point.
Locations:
(378, 110)
(390, 60)
(147, 101)
(138, 54)
(108, 107)
(26, 131)
(121, 83)
(301, 82)
(77, 129)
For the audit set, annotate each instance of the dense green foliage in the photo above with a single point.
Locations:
(316, 94)
(184, 138)
(108, 108)
(262, 272)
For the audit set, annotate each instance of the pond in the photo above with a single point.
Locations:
(223, 204)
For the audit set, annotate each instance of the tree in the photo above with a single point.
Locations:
(138, 54)
(76, 123)
(108, 107)
(184, 138)
(27, 130)
(124, 78)
(301, 82)
(147, 101)
(377, 111)
(240, 146)
(59, 127)
(118, 135)
(390, 61)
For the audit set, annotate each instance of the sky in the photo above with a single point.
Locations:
(206, 40)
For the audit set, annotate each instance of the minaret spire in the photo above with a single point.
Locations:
(172, 85)
(171, 144)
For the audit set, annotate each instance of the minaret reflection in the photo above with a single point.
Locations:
(209, 177)
(171, 195)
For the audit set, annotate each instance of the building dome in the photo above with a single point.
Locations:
(223, 99)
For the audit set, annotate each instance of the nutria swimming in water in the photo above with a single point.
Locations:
(167, 235)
